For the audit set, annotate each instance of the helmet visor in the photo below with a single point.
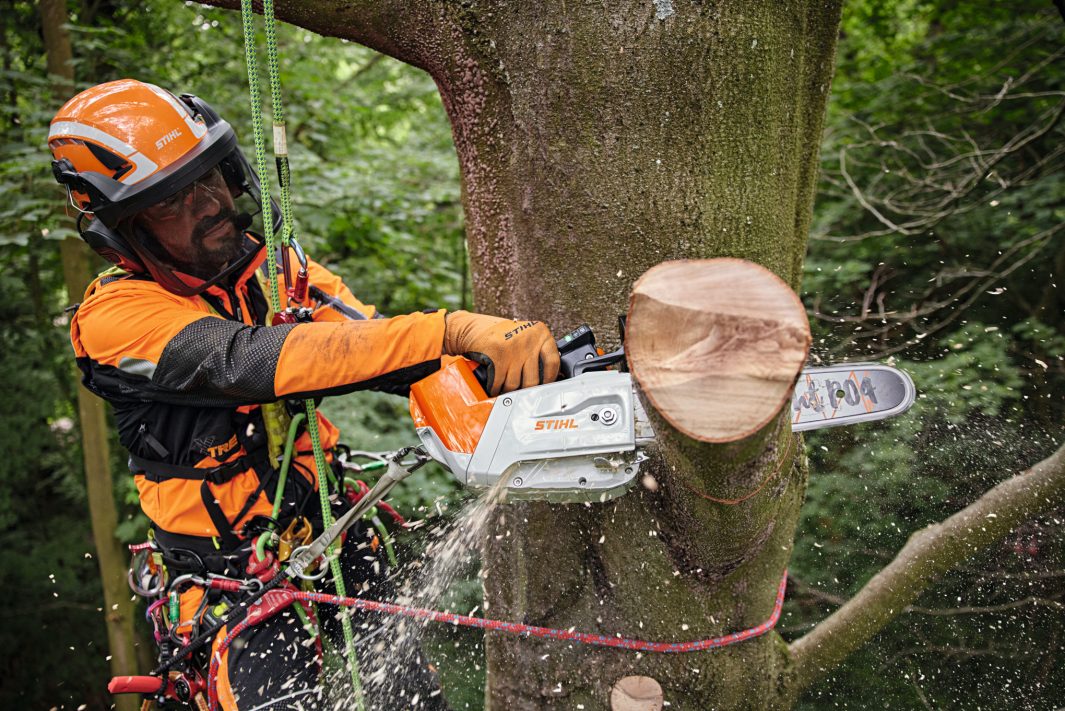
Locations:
(195, 234)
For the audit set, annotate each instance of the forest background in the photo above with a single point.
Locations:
(936, 244)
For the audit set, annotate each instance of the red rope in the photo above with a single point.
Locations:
(570, 635)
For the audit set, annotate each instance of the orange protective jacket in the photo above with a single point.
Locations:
(186, 376)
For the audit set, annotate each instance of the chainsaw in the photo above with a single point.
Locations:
(582, 438)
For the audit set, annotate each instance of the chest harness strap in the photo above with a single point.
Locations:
(158, 472)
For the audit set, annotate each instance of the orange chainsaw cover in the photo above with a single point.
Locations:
(453, 404)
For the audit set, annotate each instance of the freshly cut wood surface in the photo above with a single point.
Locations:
(636, 693)
(716, 345)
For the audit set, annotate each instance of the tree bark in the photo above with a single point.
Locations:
(92, 418)
(595, 141)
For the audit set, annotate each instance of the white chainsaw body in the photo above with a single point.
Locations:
(571, 440)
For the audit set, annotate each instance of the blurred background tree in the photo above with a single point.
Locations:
(937, 243)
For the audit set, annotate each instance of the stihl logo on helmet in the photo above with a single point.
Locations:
(167, 138)
(152, 132)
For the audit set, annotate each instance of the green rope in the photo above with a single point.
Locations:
(290, 445)
(280, 140)
(321, 465)
(334, 561)
(250, 57)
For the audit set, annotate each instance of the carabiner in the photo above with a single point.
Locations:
(322, 569)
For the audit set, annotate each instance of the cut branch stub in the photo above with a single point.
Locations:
(636, 693)
(716, 345)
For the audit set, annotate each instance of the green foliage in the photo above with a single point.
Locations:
(53, 588)
(53, 634)
(955, 276)
(376, 198)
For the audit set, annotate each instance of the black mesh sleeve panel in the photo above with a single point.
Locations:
(213, 357)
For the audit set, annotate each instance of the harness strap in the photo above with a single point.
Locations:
(158, 472)
(218, 517)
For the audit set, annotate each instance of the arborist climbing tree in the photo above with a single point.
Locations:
(212, 381)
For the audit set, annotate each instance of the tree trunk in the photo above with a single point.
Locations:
(595, 141)
(110, 554)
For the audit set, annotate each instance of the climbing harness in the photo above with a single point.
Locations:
(189, 603)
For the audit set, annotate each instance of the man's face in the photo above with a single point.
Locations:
(196, 226)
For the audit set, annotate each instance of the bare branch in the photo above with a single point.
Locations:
(976, 284)
(929, 553)
(829, 598)
(917, 688)
(988, 609)
(401, 29)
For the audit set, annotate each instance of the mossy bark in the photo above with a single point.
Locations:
(595, 141)
(595, 144)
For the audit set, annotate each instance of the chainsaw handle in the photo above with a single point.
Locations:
(137, 685)
(481, 373)
(577, 354)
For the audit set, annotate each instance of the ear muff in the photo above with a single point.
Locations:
(110, 245)
(78, 188)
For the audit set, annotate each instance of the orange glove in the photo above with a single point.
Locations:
(517, 353)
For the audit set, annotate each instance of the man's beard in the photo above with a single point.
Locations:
(206, 262)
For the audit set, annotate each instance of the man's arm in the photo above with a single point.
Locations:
(136, 341)
(340, 304)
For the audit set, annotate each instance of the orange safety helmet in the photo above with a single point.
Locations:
(123, 146)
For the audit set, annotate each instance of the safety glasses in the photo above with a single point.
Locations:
(210, 185)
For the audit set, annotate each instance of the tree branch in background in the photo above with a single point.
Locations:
(934, 190)
(974, 156)
(408, 31)
(954, 304)
(929, 553)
